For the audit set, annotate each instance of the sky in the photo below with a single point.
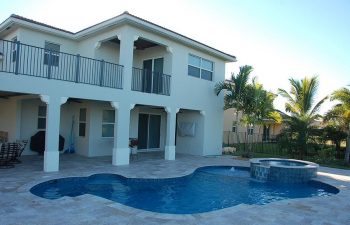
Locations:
(281, 39)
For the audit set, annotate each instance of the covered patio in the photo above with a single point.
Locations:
(19, 206)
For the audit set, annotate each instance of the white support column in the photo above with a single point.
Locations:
(121, 151)
(170, 134)
(126, 56)
(51, 153)
(18, 119)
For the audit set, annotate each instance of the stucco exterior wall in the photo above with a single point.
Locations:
(230, 120)
(10, 118)
(186, 92)
(187, 144)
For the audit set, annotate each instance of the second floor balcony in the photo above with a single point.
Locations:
(149, 81)
(23, 59)
(30, 60)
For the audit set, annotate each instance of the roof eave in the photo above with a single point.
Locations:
(124, 18)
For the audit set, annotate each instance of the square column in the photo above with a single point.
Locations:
(121, 150)
(126, 55)
(53, 114)
(170, 134)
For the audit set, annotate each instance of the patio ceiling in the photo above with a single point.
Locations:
(7, 95)
(140, 44)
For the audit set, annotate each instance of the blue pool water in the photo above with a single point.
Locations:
(207, 189)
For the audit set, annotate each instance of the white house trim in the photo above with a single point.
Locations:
(105, 68)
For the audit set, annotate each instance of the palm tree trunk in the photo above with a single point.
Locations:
(237, 129)
(337, 148)
(347, 151)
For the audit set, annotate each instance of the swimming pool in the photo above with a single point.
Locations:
(207, 189)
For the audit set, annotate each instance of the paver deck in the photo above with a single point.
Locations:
(19, 206)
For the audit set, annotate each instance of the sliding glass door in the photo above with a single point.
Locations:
(149, 131)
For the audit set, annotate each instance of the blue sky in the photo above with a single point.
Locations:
(279, 38)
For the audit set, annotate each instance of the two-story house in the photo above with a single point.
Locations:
(119, 79)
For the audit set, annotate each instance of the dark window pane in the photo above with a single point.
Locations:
(52, 58)
(82, 115)
(193, 71)
(51, 54)
(108, 116)
(82, 127)
(107, 130)
(41, 123)
(52, 46)
(14, 49)
(14, 55)
(42, 111)
(207, 75)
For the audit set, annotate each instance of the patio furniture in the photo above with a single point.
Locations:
(37, 142)
(133, 142)
(7, 153)
(3, 136)
(21, 145)
(133, 153)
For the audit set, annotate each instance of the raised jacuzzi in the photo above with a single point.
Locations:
(282, 170)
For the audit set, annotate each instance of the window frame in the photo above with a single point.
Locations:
(250, 130)
(234, 128)
(14, 49)
(107, 123)
(201, 67)
(41, 117)
(55, 55)
(82, 122)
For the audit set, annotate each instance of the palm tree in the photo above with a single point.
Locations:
(259, 107)
(235, 91)
(302, 111)
(340, 114)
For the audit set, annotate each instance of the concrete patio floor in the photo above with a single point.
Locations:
(19, 206)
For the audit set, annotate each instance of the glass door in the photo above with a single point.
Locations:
(149, 131)
(158, 74)
(152, 75)
(147, 75)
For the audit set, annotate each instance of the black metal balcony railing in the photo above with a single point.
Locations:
(29, 60)
(150, 82)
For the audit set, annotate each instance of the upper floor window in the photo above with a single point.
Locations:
(51, 54)
(250, 131)
(234, 128)
(14, 49)
(199, 67)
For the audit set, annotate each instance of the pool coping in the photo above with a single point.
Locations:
(26, 188)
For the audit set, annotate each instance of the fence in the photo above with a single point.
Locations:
(19, 58)
(260, 143)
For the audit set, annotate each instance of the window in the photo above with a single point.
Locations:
(82, 122)
(250, 131)
(51, 54)
(233, 128)
(108, 121)
(14, 49)
(42, 117)
(199, 67)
